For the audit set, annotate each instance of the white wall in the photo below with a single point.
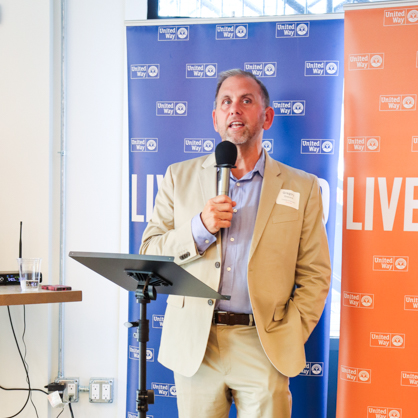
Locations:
(96, 220)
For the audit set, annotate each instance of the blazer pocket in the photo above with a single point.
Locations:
(279, 313)
(286, 217)
(175, 300)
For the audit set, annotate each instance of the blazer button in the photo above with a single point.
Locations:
(217, 264)
(210, 302)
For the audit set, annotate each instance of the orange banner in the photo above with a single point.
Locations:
(378, 363)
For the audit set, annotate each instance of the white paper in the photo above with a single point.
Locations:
(288, 198)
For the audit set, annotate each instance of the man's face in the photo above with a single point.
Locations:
(240, 116)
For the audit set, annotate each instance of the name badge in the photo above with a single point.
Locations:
(288, 198)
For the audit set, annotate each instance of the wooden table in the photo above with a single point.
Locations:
(13, 295)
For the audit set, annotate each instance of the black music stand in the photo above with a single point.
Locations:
(141, 274)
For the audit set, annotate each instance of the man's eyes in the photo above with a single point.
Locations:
(229, 101)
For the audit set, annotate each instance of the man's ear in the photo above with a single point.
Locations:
(269, 112)
(215, 125)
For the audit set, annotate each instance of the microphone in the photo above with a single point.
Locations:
(226, 155)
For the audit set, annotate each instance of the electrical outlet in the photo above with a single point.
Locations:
(71, 390)
(101, 390)
(95, 391)
(106, 391)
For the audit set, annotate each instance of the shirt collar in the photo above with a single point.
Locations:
(258, 168)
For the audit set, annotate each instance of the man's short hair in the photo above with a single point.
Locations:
(238, 72)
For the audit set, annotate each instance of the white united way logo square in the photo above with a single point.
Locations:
(363, 144)
(321, 68)
(411, 303)
(373, 61)
(202, 70)
(358, 300)
(171, 108)
(232, 31)
(145, 71)
(199, 145)
(173, 33)
(415, 144)
(144, 144)
(313, 369)
(164, 389)
(383, 412)
(317, 146)
(397, 17)
(157, 321)
(289, 107)
(261, 69)
(292, 29)
(398, 102)
(268, 145)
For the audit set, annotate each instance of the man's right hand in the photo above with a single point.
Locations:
(217, 213)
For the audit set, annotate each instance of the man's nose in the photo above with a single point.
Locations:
(235, 108)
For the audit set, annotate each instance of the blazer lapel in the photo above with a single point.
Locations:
(207, 178)
(272, 183)
(208, 184)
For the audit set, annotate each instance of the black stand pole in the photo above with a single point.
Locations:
(143, 296)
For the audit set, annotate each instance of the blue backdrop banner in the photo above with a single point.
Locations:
(172, 73)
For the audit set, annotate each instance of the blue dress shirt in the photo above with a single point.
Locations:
(236, 240)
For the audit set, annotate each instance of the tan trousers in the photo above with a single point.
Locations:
(234, 367)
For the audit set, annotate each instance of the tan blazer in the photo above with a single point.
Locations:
(288, 267)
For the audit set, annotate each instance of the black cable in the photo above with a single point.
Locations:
(60, 413)
(27, 375)
(24, 357)
(71, 409)
(32, 389)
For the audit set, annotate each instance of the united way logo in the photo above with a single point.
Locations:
(261, 69)
(227, 32)
(411, 303)
(358, 300)
(201, 70)
(268, 145)
(150, 354)
(357, 375)
(409, 379)
(387, 340)
(313, 369)
(144, 144)
(164, 389)
(321, 68)
(289, 107)
(390, 263)
(363, 144)
(199, 145)
(171, 108)
(135, 415)
(157, 321)
(383, 412)
(366, 61)
(415, 144)
(317, 146)
(173, 33)
(133, 352)
(292, 29)
(398, 102)
(396, 17)
(145, 71)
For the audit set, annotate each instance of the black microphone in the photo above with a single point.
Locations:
(226, 155)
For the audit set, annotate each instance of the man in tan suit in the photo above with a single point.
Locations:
(265, 246)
